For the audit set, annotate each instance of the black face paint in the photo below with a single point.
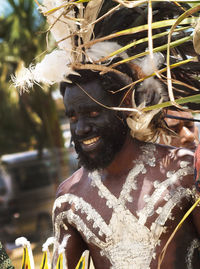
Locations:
(98, 133)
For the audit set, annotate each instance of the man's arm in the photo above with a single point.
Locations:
(66, 235)
(73, 244)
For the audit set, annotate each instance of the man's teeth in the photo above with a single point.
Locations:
(91, 141)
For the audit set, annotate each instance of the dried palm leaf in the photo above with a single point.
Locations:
(81, 30)
(196, 37)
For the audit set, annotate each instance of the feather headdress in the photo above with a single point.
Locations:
(69, 31)
(80, 30)
(99, 31)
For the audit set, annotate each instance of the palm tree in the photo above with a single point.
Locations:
(26, 114)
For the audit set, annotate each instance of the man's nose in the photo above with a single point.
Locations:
(82, 127)
(186, 135)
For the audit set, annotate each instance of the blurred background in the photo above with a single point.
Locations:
(35, 149)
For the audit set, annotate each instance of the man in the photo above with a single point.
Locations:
(128, 196)
(187, 132)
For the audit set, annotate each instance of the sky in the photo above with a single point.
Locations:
(4, 7)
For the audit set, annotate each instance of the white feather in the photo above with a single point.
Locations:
(22, 241)
(49, 241)
(150, 86)
(55, 67)
(103, 49)
(24, 78)
(61, 26)
(52, 69)
(146, 64)
(45, 247)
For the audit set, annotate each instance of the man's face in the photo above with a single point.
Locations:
(186, 130)
(98, 133)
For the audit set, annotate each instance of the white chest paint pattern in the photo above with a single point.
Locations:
(128, 244)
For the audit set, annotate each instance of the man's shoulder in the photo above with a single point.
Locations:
(176, 153)
(65, 191)
(167, 157)
(176, 164)
(184, 153)
(175, 159)
(68, 184)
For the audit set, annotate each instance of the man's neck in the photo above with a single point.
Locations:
(123, 160)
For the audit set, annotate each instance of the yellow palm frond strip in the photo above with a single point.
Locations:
(26, 260)
(81, 263)
(44, 264)
(59, 264)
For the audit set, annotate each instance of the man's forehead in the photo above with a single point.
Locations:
(185, 114)
(83, 108)
(174, 122)
(86, 94)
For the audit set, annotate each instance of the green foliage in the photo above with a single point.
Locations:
(23, 118)
(20, 29)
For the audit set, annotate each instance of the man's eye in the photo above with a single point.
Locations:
(94, 114)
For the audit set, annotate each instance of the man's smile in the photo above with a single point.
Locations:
(90, 144)
(91, 141)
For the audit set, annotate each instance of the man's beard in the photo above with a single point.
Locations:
(113, 139)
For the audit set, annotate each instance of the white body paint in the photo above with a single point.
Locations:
(128, 243)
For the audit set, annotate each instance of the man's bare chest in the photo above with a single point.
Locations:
(131, 223)
(128, 221)
(140, 199)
